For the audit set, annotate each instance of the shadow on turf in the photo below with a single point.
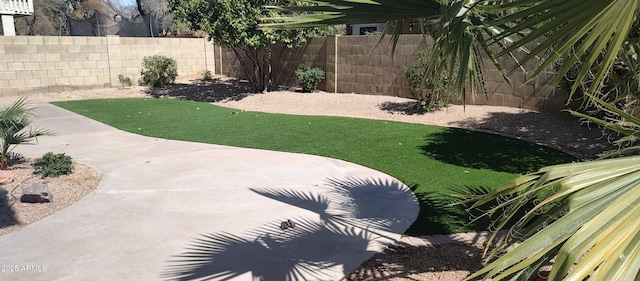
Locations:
(349, 220)
(439, 215)
(589, 140)
(479, 150)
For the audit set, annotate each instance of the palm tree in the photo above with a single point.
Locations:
(14, 119)
(585, 217)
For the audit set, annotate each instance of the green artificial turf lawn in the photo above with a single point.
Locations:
(435, 162)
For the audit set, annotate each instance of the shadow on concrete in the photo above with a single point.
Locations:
(556, 129)
(479, 150)
(7, 215)
(214, 90)
(269, 253)
(349, 220)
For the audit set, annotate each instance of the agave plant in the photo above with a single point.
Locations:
(15, 129)
(584, 216)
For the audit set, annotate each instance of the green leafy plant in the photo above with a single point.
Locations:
(309, 78)
(158, 71)
(430, 91)
(234, 25)
(206, 75)
(15, 121)
(124, 81)
(53, 165)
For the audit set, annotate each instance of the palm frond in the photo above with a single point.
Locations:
(580, 209)
(15, 126)
(580, 214)
(559, 30)
(332, 12)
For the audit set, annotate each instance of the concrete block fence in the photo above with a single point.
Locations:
(353, 64)
(41, 64)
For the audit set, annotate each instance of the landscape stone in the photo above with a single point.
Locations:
(6, 177)
(37, 193)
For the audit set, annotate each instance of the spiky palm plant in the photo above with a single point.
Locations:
(15, 128)
(585, 216)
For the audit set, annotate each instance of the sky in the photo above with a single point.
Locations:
(126, 2)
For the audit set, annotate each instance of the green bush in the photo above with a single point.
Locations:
(125, 81)
(309, 78)
(158, 71)
(431, 92)
(206, 75)
(52, 165)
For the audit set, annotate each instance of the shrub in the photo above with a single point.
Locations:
(206, 75)
(158, 71)
(52, 165)
(430, 92)
(124, 81)
(309, 78)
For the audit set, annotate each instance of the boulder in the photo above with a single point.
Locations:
(6, 177)
(37, 193)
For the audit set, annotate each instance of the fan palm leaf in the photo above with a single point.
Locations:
(581, 216)
(584, 215)
(590, 34)
(15, 127)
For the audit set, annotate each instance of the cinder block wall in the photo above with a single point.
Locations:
(363, 68)
(40, 64)
(353, 64)
(193, 55)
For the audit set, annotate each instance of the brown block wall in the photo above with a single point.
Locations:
(353, 64)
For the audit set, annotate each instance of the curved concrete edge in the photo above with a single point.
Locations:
(469, 238)
(174, 210)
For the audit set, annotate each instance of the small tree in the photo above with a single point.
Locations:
(234, 24)
(15, 122)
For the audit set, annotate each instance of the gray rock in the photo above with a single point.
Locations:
(37, 193)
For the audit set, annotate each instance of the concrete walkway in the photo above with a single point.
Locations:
(171, 210)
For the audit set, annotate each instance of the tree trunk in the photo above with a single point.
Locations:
(139, 6)
(4, 164)
(256, 66)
